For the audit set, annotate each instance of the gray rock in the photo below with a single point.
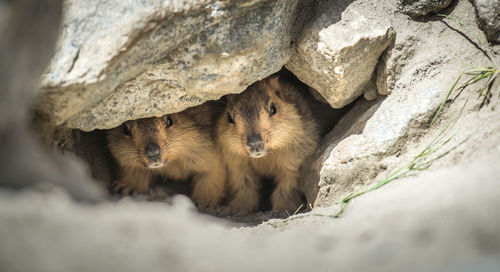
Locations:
(417, 8)
(29, 32)
(338, 57)
(355, 159)
(120, 61)
(488, 12)
(351, 123)
(419, 68)
(383, 73)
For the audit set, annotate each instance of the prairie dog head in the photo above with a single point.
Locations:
(261, 119)
(152, 142)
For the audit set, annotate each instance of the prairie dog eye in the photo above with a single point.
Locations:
(126, 130)
(230, 118)
(168, 121)
(272, 110)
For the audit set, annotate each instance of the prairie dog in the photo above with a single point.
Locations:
(177, 146)
(266, 132)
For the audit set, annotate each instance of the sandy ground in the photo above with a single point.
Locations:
(441, 220)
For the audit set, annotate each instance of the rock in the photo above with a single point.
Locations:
(338, 57)
(444, 217)
(417, 69)
(351, 123)
(356, 158)
(29, 32)
(120, 61)
(488, 12)
(25, 51)
(383, 73)
(416, 8)
(371, 92)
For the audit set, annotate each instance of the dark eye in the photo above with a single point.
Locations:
(230, 118)
(169, 121)
(272, 110)
(126, 130)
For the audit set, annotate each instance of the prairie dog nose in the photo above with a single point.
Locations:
(254, 142)
(153, 152)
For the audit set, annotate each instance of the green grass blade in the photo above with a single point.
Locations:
(445, 100)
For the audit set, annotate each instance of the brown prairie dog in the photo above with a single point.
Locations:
(268, 131)
(178, 146)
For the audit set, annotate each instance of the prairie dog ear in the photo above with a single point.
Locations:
(274, 82)
(228, 99)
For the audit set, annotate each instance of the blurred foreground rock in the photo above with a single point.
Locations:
(452, 227)
(29, 31)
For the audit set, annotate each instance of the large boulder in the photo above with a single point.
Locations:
(338, 52)
(417, 70)
(119, 61)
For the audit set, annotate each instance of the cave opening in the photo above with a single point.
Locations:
(337, 124)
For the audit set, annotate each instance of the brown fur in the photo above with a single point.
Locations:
(187, 150)
(289, 137)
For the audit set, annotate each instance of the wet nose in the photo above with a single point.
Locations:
(153, 152)
(254, 142)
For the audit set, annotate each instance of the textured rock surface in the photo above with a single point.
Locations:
(352, 123)
(488, 12)
(117, 61)
(356, 159)
(337, 56)
(419, 72)
(417, 8)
